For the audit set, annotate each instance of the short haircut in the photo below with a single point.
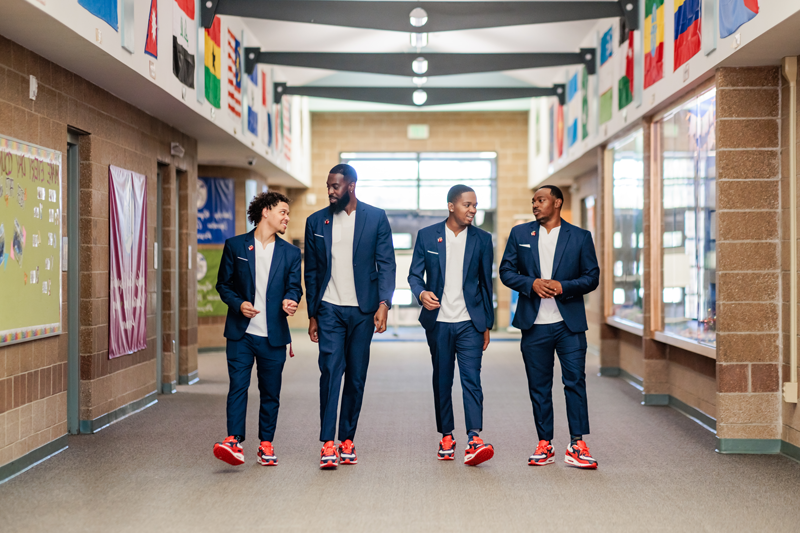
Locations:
(554, 191)
(456, 191)
(260, 201)
(347, 172)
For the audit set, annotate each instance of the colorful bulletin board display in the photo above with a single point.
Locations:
(216, 206)
(208, 300)
(30, 242)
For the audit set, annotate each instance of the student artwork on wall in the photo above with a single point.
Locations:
(606, 76)
(687, 30)
(734, 13)
(653, 42)
(127, 301)
(30, 242)
(215, 210)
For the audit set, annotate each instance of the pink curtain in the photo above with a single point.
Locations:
(127, 326)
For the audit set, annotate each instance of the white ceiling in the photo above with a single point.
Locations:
(278, 36)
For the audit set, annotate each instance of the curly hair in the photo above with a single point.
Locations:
(260, 201)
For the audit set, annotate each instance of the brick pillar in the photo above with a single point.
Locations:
(187, 284)
(609, 337)
(169, 264)
(749, 259)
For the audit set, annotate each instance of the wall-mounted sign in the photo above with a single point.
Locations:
(215, 210)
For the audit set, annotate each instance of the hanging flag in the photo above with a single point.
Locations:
(103, 9)
(234, 76)
(213, 63)
(625, 90)
(551, 128)
(264, 89)
(734, 13)
(606, 76)
(151, 42)
(585, 103)
(269, 129)
(252, 99)
(687, 30)
(184, 41)
(559, 131)
(653, 42)
(286, 127)
(573, 110)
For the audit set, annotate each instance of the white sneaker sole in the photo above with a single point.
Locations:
(574, 462)
(550, 461)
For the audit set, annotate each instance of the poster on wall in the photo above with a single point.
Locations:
(215, 210)
(687, 30)
(653, 42)
(30, 242)
(127, 246)
(606, 76)
(208, 300)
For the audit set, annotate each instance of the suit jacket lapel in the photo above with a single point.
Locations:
(441, 247)
(250, 253)
(472, 239)
(561, 244)
(361, 216)
(534, 242)
(277, 258)
(327, 232)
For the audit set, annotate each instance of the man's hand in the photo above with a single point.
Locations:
(248, 310)
(542, 288)
(555, 285)
(485, 340)
(289, 307)
(380, 318)
(313, 334)
(429, 300)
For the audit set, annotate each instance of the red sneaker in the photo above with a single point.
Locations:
(543, 455)
(266, 454)
(578, 455)
(328, 458)
(347, 453)
(229, 451)
(477, 452)
(447, 450)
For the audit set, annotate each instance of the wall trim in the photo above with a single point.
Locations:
(632, 379)
(609, 371)
(754, 446)
(32, 458)
(169, 388)
(93, 426)
(694, 413)
(211, 349)
(655, 399)
(189, 379)
(790, 450)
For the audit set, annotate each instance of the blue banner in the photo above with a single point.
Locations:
(215, 210)
(103, 9)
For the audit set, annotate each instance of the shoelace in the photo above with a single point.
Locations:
(267, 449)
(583, 449)
(329, 449)
(542, 448)
(347, 446)
(476, 441)
(447, 443)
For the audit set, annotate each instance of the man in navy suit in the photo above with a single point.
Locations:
(552, 264)
(259, 280)
(451, 276)
(350, 278)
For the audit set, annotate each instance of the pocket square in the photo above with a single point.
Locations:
(242, 258)
(526, 245)
(318, 235)
(434, 253)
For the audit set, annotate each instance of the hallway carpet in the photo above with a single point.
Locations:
(154, 471)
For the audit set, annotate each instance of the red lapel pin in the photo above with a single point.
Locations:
(440, 239)
(533, 234)
(251, 248)
(327, 221)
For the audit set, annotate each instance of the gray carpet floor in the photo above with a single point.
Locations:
(154, 470)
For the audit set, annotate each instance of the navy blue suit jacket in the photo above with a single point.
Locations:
(373, 258)
(236, 283)
(430, 260)
(574, 266)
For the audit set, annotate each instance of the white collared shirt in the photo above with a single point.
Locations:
(341, 288)
(548, 310)
(258, 324)
(453, 307)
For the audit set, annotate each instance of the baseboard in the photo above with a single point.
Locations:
(190, 379)
(790, 450)
(655, 399)
(694, 413)
(748, 446)
(93, 426)
(32, 458)
(610, 371)
(211, 349)
(169, 388)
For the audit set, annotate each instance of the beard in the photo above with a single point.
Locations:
(339, 205)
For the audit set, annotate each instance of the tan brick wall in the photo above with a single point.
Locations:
(503, 132)
(33, 374)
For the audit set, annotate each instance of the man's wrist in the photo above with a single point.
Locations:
(383, 302)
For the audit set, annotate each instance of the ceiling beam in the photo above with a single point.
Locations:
(442, 16)
(435, 95)
(400, 64)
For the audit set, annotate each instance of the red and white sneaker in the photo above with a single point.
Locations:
(266, 454)
(578, 455)
(447, 447)
(328, 457)
(543, 455)
(347, 453)
(229, 451)
(477, 452)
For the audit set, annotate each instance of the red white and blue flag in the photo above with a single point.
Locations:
(234, 76)
(687, 30)
(734, 13)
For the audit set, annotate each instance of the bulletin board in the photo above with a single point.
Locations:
(30, 242)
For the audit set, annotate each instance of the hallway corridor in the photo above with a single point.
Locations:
(155, 471)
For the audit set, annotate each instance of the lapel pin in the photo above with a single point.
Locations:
(327, 221)
(440, 239)
(251, 248)
(533, 234)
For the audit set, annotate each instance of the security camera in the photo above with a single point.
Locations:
(251, 161)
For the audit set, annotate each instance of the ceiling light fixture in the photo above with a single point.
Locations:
(419, 65)
(419, 82)
(419, 97)
(418, 17)
(419, 40)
